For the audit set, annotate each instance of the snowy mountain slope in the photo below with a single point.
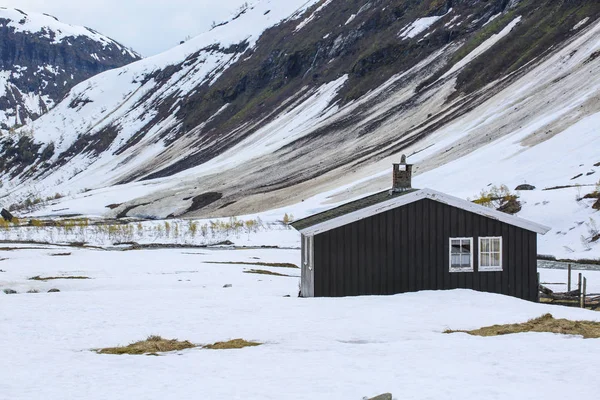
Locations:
(41, 59)
(303, 105)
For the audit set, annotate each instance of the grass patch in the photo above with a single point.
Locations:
(232, 344)
(52, 278)
(264, 272)
(261, 264)
(151, 346)
(545, 323)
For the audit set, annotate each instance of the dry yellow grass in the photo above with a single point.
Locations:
(232, 344)
(545, 323)
(150, 346)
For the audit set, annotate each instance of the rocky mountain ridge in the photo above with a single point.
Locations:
(41, 59)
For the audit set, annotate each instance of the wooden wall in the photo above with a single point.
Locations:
(407, 249)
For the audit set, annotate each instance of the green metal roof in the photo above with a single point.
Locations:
(348, 208)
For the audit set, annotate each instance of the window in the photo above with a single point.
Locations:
(490, 254)
(461, 255)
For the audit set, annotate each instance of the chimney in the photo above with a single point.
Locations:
(402, 176)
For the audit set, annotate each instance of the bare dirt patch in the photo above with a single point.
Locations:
(232, 344)
(151, 346)
(545, 323)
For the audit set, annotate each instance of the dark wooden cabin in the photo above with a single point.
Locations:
(406, 240)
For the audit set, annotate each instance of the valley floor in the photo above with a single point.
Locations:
(313, 348)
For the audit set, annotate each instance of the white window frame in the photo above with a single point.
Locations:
(488, 268)
(454, 269)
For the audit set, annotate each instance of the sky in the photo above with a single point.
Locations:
(148, 26)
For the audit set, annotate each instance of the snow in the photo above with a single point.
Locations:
(581, 23)
(352, 17)
(420, 25)
(342, 348)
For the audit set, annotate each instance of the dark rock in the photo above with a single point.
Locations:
(53, 291)
(525, 187)
(385, 396)
(510, 206)
(6, 215)
(10, 291)
(596, 205)
(229, 285)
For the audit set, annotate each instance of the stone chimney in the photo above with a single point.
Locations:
(402, 176)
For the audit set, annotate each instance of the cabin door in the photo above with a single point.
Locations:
(307, 286)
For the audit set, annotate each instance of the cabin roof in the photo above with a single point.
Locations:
(347, 208)
(386, 200)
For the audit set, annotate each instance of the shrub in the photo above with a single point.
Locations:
(499, 198)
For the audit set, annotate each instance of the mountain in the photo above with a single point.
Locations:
(302, 104)
(41, 59)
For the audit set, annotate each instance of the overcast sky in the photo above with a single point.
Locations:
(148, 26)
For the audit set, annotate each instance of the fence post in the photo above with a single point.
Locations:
(538, 287)
(569, 280)
(583, 294)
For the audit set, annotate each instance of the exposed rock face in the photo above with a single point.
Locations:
(41, 59)
(525, 187)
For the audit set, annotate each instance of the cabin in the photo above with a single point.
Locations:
(406, 240)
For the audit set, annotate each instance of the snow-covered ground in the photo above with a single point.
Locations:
(313, 348)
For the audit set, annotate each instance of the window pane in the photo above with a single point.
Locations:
(466, 260)
(466, 246)
(485, 245)
(455, 260)
(496, 259)
(485, 260)
(455, 246)
(496, 245)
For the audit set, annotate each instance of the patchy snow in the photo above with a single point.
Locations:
(312, 16)
(352, 17)
(420, 25)
(483, 47)
(365, 346)
(493, 17)
(581, 23)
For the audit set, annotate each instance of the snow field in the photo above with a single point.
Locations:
(313, 348)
